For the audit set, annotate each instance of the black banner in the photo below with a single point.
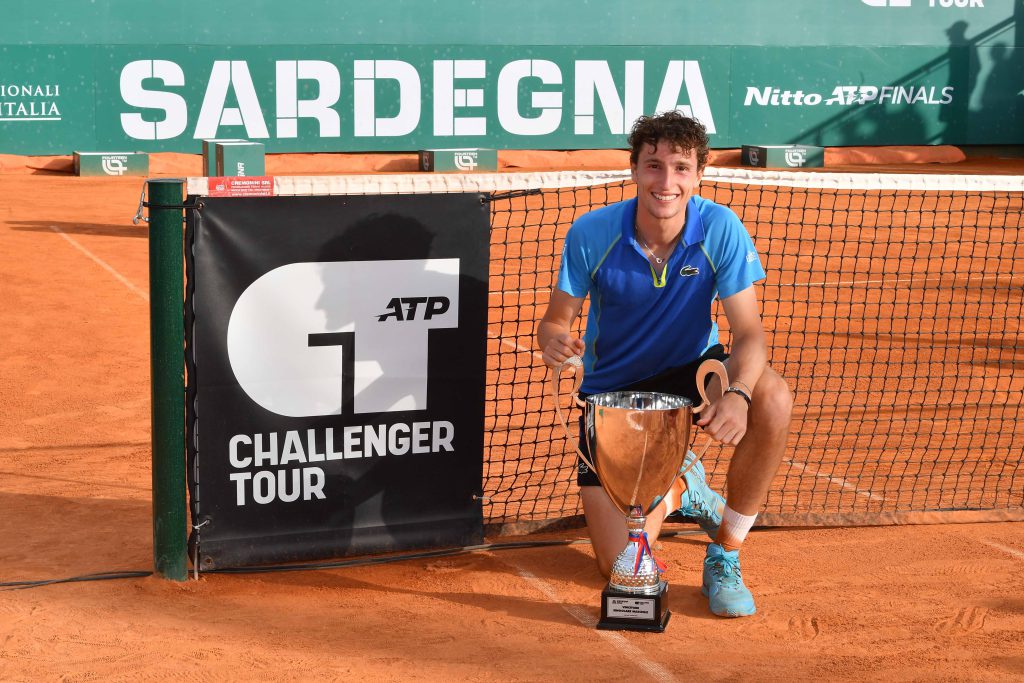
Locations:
(336, 357)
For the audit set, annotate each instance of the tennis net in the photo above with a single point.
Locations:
(893, 306)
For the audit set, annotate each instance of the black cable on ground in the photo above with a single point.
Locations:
(103, 576)
(449, 552)
(99, 576)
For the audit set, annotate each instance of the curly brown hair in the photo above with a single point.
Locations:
(682, 132)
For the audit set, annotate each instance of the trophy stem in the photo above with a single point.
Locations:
(635, 570)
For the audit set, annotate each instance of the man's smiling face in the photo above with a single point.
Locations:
(666, 178)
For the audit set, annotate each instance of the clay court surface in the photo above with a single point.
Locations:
(921, 603)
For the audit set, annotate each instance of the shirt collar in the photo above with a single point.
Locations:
(693, 229)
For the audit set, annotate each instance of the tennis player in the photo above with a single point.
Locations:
(652, 266)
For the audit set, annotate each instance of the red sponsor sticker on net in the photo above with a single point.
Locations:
(241, 186)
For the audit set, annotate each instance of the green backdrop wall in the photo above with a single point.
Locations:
(406, 75)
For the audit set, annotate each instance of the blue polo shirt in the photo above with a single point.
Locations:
(642, 322)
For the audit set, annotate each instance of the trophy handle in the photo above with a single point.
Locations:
(709, 366)
(577, 366)
(706, 368)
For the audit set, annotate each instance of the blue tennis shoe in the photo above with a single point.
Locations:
(723, 584)
(699, 502)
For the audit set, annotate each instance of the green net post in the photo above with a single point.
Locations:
(167, 363)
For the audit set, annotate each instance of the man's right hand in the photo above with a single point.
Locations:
(554, 331)
(560, 348)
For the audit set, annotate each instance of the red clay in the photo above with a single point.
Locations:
(896, 603)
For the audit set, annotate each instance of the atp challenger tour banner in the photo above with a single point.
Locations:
(336, 360)
(407, 76)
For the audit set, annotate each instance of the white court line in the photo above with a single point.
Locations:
(653, 669)
(103, 264)
(1006, 549)
(835, 480)
(514, 345)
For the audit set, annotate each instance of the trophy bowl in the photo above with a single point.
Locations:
(638, 443)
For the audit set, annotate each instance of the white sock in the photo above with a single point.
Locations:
(734, 528)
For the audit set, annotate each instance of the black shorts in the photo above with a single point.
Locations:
(679, 381)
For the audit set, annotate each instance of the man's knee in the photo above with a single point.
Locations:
(606, 526)
(774, 399)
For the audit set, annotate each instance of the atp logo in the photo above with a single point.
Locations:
(887, 3)
(796, 156)
(405, 308)
(313, 339)
(466, 161)
(114, 165)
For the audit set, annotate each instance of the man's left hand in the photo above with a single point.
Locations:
(725, 420)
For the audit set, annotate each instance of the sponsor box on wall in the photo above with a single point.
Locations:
(782, 156)
(111, 163)
(239, 158)
(210, 155)
(458, 160)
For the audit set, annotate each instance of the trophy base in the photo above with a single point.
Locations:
(621, 611)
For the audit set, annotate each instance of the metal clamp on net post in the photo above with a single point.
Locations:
(138, 217)
(142, 202)
(195, 552)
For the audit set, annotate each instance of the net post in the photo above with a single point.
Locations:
(167, 392)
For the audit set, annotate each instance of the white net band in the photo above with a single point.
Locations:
(418, 183)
